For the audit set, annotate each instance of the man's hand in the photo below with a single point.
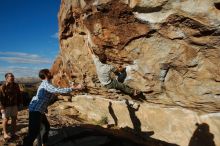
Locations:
(77, 87)
(120, 68)
(2, 111)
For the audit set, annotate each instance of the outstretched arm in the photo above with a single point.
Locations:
(90, 48)
(52, 89)
(78, 87)
(91, 52)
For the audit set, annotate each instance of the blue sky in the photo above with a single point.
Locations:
(28, 36)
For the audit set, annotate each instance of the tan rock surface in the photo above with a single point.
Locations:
(177, 42)
(171, 124)
(187, 39)
(143, 36)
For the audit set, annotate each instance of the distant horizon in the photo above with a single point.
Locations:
(29, 36)
(24, 79)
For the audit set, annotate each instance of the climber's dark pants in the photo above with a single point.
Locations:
(38, 126)
(120, 86)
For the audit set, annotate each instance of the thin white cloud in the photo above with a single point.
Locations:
(55, 35)
(16, 69)
(22, 64)
(26, 60)
(19, 71)
(20, 57)
(20, 54)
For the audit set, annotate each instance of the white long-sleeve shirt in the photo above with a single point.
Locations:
(103, 70)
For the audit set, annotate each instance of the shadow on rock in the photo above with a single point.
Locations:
(93, 135)
(202, 136)
(134, 119)
(112, 113)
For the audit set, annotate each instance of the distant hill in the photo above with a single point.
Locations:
(1, 82)
(28, 87)
(25, 80)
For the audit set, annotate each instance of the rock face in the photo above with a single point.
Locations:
(171, 124)
(171, 50)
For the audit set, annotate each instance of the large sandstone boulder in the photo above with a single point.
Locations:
(171, 50)
(175, 125)
(142, 35)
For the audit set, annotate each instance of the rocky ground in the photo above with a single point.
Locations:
(171, 52)
(58, 118)
(71, 128)
(183, 99)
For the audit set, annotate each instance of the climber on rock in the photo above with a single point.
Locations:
(104, 71)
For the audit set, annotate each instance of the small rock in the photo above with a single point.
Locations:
(62, 107)
(24, 130)
(67, 98)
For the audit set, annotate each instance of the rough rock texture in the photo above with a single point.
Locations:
(171, 124)
(171, 50)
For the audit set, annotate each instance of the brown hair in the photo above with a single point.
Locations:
(103, 58)
(43, 73)
(8, 73)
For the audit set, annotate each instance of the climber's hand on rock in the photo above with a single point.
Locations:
(78, 87)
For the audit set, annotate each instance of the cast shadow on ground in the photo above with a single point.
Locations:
(136, 133)
(202, 136)
(95, 135)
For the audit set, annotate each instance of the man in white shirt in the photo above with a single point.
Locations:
(104, 71)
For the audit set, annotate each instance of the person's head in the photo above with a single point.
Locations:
(9, 77)
(45, 74)
(103, 58)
